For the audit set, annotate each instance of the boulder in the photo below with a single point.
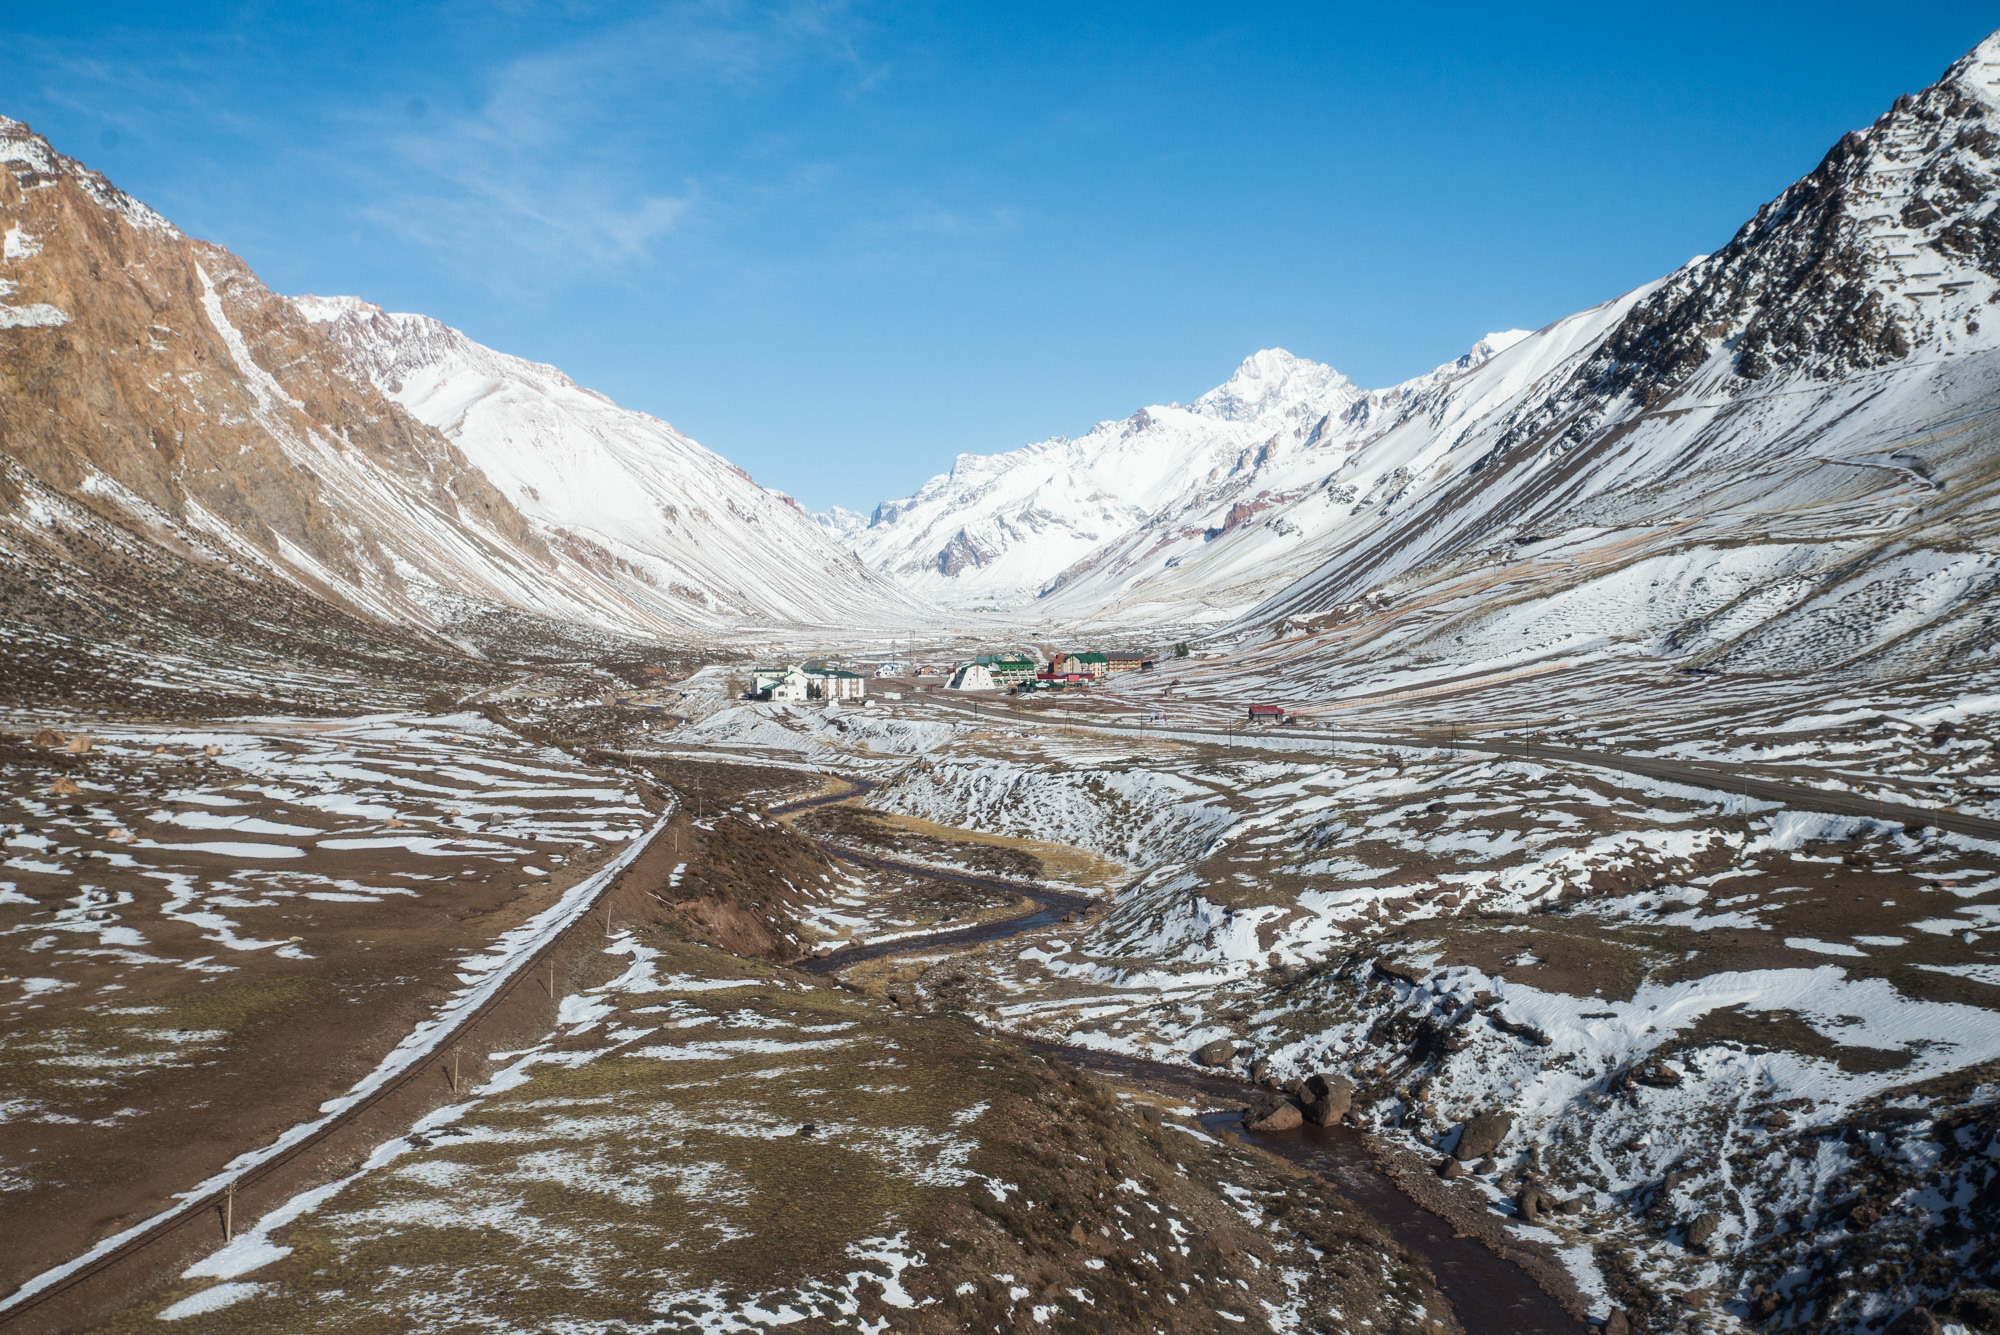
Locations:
(1218, 1053)
(78, 745)
(1326, 1098)
(1482, 1135)
(1617, 1323)
(1275, 1113)
(1530, 1203)
(1450, 1168)
(1402, 973)
(64, 787)
(1702, 1229)
(1657, 1074)
(47, 737)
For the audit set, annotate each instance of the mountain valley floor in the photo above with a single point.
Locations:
(598, 1064)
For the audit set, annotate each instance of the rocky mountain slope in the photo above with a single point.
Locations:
(1781, 457)
(153, 391)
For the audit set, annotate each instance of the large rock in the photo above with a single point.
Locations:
(1326, 1098)
(1276, 1113)
(1702, 1229)
(1218, 1053)
(1482, 1135)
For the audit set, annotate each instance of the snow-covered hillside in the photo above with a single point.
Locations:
(1001, 530)
(682, 529)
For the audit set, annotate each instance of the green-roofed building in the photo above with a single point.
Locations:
(1008, 669)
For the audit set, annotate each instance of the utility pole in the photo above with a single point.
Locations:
(454, 1068)
(229, 1212)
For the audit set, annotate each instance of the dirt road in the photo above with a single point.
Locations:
(1738, 784)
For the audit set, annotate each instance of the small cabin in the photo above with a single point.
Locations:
(1267, 713)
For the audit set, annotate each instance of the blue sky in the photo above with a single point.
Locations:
(841, 243)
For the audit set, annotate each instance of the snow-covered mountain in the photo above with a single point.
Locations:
(688, 532)
(1001, 530)
(159, 402)
(1783, 456)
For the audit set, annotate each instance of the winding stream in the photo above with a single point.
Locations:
(1489, 1294)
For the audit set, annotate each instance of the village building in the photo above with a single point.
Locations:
(972, 677)
(1094, 665)
(1124, 661)
(1007, 669)
(1267, 713)
(834, 684)
(797, 684)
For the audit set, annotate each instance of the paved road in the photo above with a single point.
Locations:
(1794, 795)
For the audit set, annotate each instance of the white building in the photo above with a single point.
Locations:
(833, 684)
(798, 684)
(973, 677)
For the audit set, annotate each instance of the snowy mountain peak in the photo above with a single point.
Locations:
(841, 523)
(1004, 529)
(1275, 385)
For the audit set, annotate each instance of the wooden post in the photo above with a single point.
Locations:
(454, 1068)
(229, 1212)
(552, 979)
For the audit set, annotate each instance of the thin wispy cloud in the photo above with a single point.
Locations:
(589, 154)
